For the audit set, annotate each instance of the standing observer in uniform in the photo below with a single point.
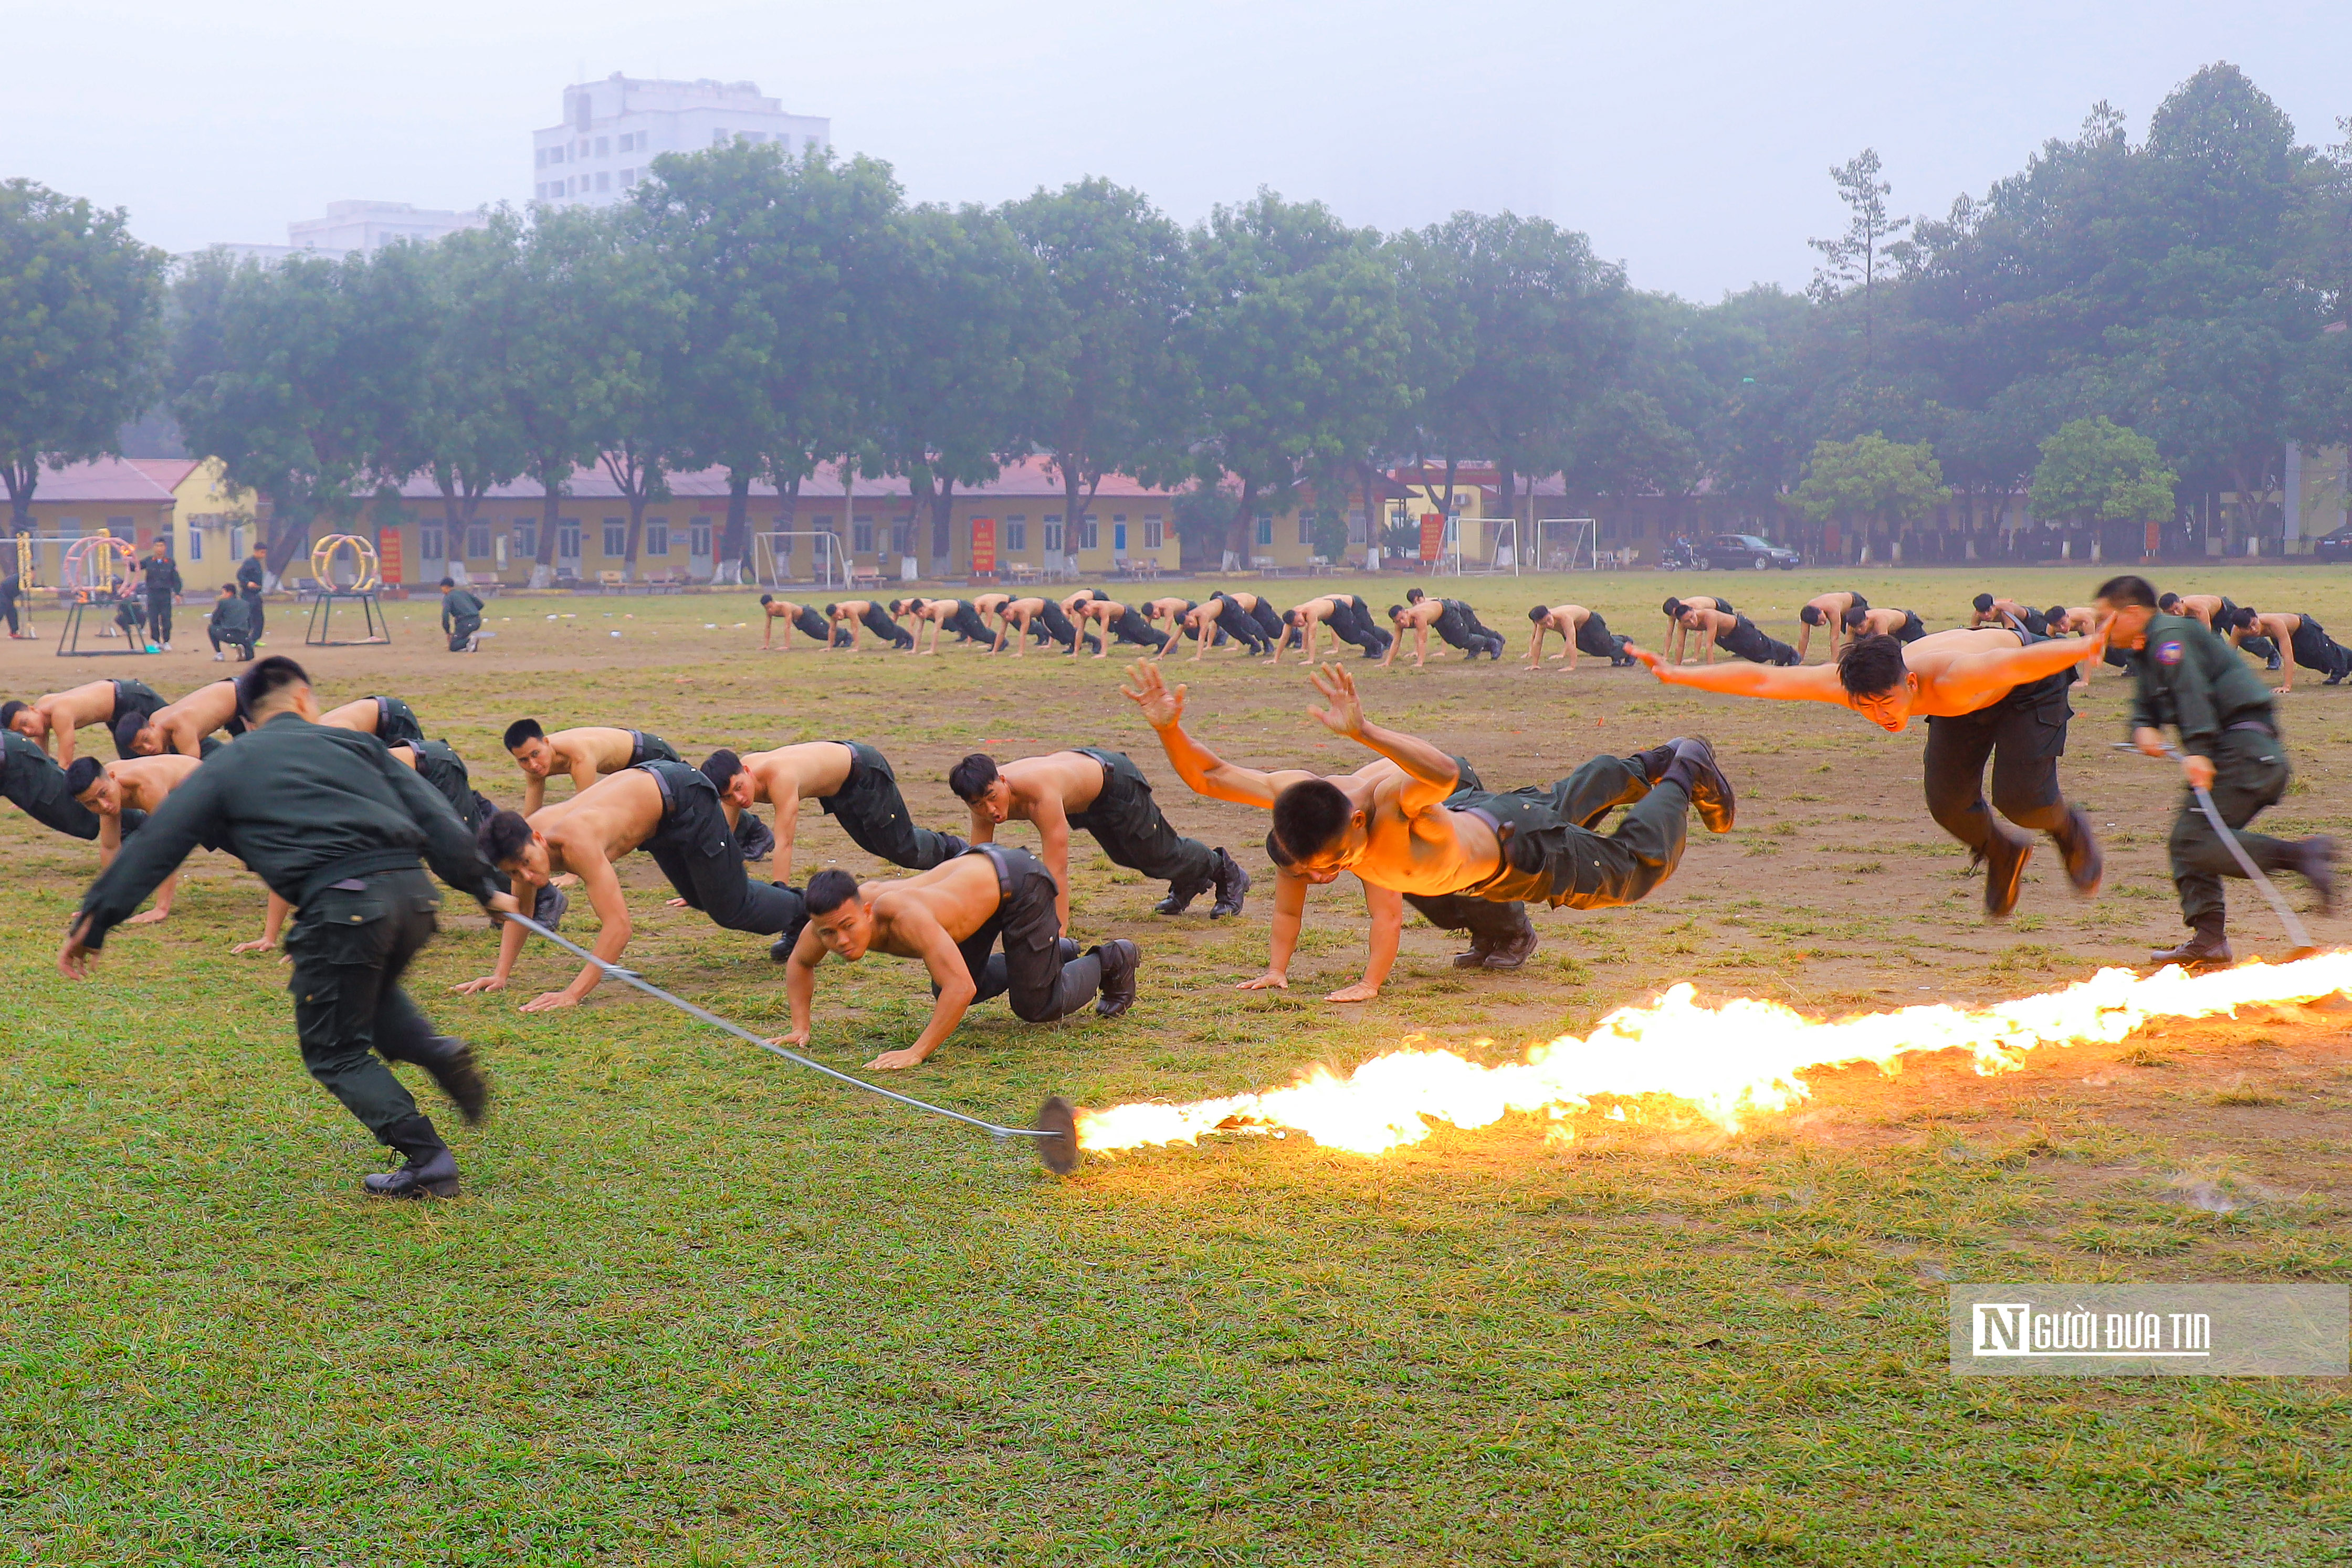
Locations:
(162, 587)
(336, 828)
(251, 574)
(2229, 747)
(461, 617)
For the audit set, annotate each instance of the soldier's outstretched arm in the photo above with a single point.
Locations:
(1433, 775)
(1203, 770)
(1802, 682)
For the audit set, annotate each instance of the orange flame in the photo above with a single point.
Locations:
(1743, 1059)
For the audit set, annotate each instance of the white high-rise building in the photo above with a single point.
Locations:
(613, 128)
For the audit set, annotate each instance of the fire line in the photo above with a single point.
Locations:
(1728, 1064)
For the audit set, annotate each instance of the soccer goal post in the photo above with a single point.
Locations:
(1567, 544)
(772, 556)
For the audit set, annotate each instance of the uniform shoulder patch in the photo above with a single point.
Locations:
(2167, 653)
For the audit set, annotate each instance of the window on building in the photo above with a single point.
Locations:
(567, 540)
(1053, 533)
(1265, 528)
(822, 522)
(1016, 533)
(1306, 526)
(603, 180)
(617, 538)
(477, 542)
(428, 542)
(526, 540)
(1088, 538)
(698, 539)
(862, 535)
(901, 535)
(195, 544)
(629, 178)
(657, 536)
(603, 147)
(1153, 534)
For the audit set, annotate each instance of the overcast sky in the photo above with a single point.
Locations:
(1690, 141)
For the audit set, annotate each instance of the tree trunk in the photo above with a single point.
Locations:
(735, 543)
(551, 492)
(289, 530)
(1240, 537)
(942, 549)
(21, 478)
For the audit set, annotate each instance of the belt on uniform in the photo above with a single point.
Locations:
(354, 868)
(669, 801)
(2264, 725)
(1004, 872)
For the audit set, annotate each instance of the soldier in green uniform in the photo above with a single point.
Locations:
(461, 617)
(336, 828)
(2229, 746)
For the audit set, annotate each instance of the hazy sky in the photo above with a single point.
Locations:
(1690, 141)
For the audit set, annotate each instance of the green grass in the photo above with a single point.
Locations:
(697, 1307)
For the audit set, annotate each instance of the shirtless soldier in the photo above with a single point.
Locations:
(677, 814)
(1109, 618)
(186, 726)
(1581, 630)
(858, 616)
(1235, 615)
(1902, 625)
(950, 919)
(1348, 616)
(2302, 635)
(389, 719)
(1995, 694)
(134, 784)
(1171, 610)
(941, 614)
(1459, 625)
(36, 786)
(2220, 618)
(54, 720)
(1987, 610)
(1828, 609)
(1105, 794)
(1412, 827)
(1735, 635)
(1020, 618)
(855, 785)
(801, 616)
(1678, 644)
(586, 754)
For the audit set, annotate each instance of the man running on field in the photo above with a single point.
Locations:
(1996, 694)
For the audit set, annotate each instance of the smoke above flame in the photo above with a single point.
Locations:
(1728, 1064)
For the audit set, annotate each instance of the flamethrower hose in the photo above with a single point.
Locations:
(2295, 931)
(630, 976)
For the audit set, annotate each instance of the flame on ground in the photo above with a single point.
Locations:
(1743, 1059)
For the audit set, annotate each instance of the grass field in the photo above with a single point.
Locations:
(697, 1307)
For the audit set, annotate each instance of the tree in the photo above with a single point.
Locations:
(298, 376)
(561, 360)
(1300, 346)
(80, 304)
(775, 254)
(470, 440)
(2094, 470)
(1543, 327)
(1871, 478)
(1850, 264)
(1109, 390)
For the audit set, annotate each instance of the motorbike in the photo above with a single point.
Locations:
(1677, 556)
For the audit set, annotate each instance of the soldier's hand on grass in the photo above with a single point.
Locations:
(548, 1001)
(73, 958)
(1272, 980)
(2198, 771)
(893, 1060)
(797, 1038)
(1162, 705)
(1345, 714)
(486, 983)
(258, 945)
(1361, 991)
(678, 904)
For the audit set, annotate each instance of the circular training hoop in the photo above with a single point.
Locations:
(90, 563)
(366, 571)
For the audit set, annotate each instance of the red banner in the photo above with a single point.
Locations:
(983, 546)
(1433, 535)
(387, 557)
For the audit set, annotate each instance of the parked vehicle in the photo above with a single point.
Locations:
(1744, 550)
(1677, 556)
(2336, 546)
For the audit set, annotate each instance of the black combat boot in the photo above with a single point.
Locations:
(2204, 950)
(2079, 847)
(2004, 854)
(1710, 788)
(1233, 886)
(431, 1170)
(451, 1062)
(2315, 860)
(1120, 960)
(754, 837)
